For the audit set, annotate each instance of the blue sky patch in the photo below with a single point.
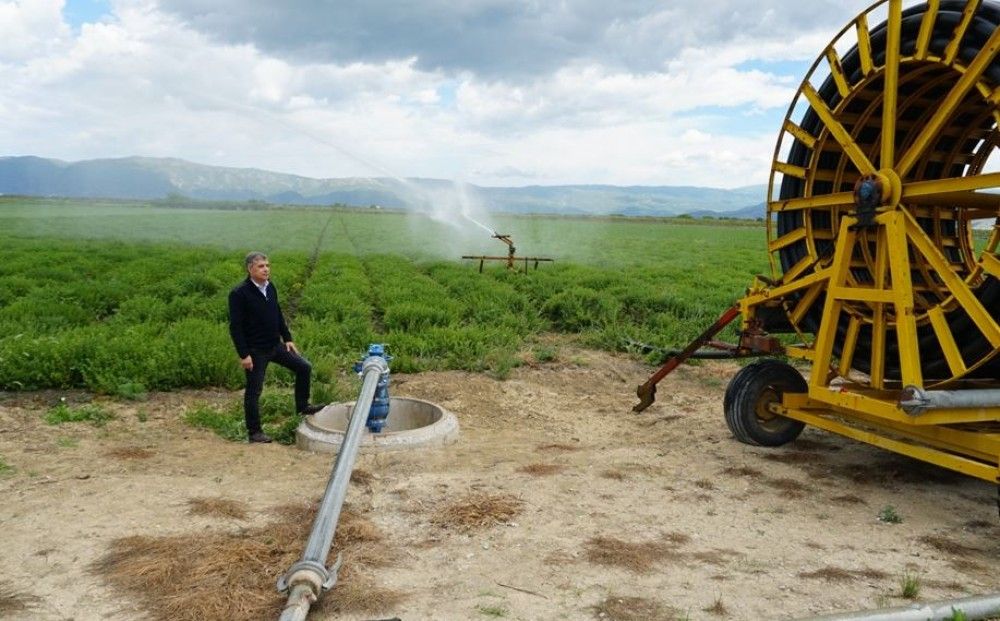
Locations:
(795, 69)
(79, 12)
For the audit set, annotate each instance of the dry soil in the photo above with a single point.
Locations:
(659, 515)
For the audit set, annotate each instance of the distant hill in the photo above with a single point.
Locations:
(157, 178)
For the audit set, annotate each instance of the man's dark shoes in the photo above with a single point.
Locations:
(260, 436)
(312, 408)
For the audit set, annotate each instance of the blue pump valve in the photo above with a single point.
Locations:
(379, 411)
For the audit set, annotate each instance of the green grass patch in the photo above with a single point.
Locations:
(277, 415)
(88, 413)
(5, 468)
(88, 300)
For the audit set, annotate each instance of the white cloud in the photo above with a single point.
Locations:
(145, 82)
(29, 27)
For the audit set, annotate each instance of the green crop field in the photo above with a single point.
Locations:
(117, 297)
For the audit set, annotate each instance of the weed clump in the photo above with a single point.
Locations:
(909, 587)
(88, 413)
(277, 415)
(889, 515)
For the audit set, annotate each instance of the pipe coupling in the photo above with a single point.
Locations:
(315, 574)
(374, 362)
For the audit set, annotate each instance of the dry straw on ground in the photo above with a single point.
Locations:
(231, 576)
(130, 452)
(616, 475)
(362, 477)
(839, 574)
(541, 470)
(623, 608)
(637, 557)
(558, 446)
(13, 603)
(478, 511)
(218, 507)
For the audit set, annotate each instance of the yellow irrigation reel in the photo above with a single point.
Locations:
(876, 187)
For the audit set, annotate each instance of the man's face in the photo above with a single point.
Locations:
(260, 270)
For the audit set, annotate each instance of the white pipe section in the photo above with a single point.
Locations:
(977, 607)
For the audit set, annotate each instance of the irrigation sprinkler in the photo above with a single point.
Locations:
(309, 577)
(511, 259)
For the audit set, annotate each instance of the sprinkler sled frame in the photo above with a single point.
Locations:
(511, 259)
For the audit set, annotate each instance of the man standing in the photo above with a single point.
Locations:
(261, 336)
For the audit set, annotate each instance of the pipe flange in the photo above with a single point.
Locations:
(376, 362)
(309, 571)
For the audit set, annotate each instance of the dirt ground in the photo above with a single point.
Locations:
(660, 515)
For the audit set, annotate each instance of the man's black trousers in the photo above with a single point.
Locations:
(255, 381)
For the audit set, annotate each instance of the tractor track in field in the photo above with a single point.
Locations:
(296, 297)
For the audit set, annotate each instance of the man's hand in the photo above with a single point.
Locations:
(290, 346)
(247, 363)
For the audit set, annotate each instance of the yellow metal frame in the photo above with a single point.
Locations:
(910, 285)
(870, 411)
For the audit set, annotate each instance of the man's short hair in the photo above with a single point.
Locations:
(253, 257)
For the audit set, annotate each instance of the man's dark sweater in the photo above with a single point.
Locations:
(255, 322)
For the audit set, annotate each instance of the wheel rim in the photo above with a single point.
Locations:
(767, 419)
(909, 114)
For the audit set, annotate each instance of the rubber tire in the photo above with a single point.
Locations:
(739, 379)
(753, 387)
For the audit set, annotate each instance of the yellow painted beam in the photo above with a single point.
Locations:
(837, 72)
(805, 302)
(947, 341)
(879, 323)
(783, 290)
(902, 287)
(787, 239)
(864, 44)
(850, 343)
(951, 50)
(890, 89)
(889, 412)
(956, 285)
(949, 104)
(837, 199)
(978, 444)
(864, 294)
(800, 134)
(991, 264)
(798, 269)
(851, 149)
(827, 332)
(937, 187)
(987, 202)
(987, 471)
(926, 27)
(789, 169)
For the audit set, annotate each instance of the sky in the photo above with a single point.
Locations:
(489, 92)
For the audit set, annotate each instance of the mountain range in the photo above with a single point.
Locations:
(147, 178)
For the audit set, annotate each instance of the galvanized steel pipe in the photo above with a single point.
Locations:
(915, 400)
(309, 577)
(974, 608)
